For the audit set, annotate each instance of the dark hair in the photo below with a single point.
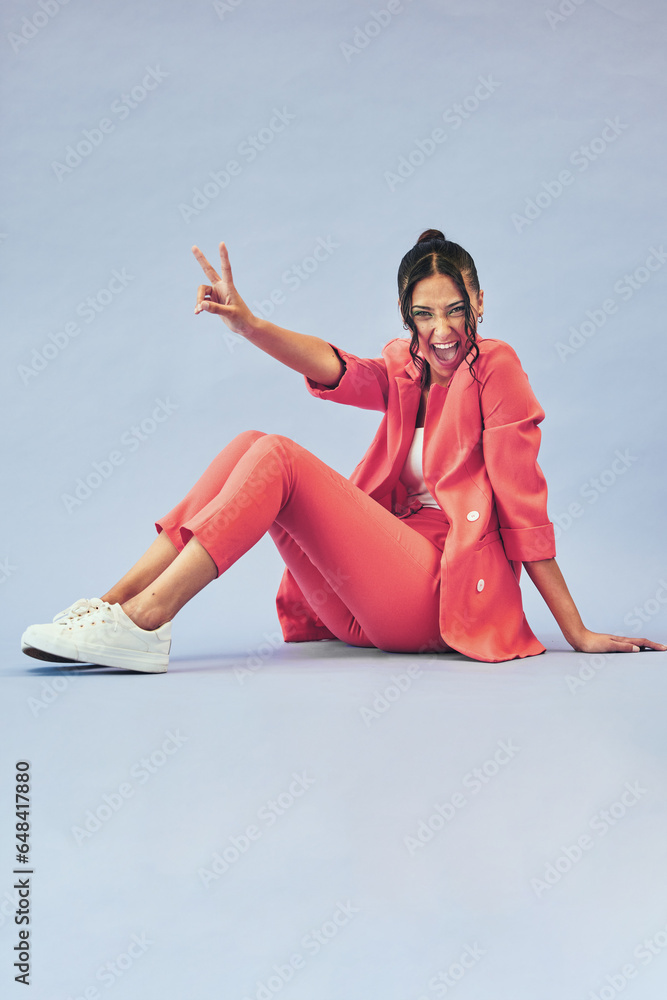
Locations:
(433, 254)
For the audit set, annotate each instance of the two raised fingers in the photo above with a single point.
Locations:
(205, 292)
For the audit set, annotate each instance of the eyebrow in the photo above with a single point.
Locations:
(451, 304)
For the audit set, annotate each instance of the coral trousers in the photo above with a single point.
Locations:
(373, 578)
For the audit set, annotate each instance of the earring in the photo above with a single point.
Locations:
(480, 318)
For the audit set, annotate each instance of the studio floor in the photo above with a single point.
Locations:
(322, 822)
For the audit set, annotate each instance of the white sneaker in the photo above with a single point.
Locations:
(103, 635)
(80, 607)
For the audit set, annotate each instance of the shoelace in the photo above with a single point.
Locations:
(96, 613)
(81, 607)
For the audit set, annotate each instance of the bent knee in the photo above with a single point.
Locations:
(249, 437)
(275, 445)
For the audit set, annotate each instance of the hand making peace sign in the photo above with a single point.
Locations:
(221, 297)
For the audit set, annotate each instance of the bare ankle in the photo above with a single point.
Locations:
(115, 596)
(147, 618)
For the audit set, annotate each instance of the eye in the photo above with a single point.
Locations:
(457, 309)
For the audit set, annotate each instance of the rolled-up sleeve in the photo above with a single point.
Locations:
(511, 441)
(364, 383)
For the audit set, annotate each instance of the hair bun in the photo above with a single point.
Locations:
(431, 234)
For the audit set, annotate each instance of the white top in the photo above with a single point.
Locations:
(412, 475)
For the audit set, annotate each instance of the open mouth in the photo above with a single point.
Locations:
(446, 351)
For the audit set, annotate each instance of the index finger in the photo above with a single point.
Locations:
(206, 267)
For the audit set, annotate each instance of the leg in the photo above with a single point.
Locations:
(169, 543)
(385, 574)
(184, 576)
(153, 562)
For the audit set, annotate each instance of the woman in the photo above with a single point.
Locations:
(421, 549)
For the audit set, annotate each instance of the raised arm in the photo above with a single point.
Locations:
(547, 577)
(311, 356)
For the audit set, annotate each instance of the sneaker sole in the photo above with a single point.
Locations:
(39, 654)
(146, 663)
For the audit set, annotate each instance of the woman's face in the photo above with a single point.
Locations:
(438, 312)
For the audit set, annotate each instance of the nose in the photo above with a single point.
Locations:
(444, 325)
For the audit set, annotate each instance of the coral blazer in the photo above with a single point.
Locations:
(481, 440)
